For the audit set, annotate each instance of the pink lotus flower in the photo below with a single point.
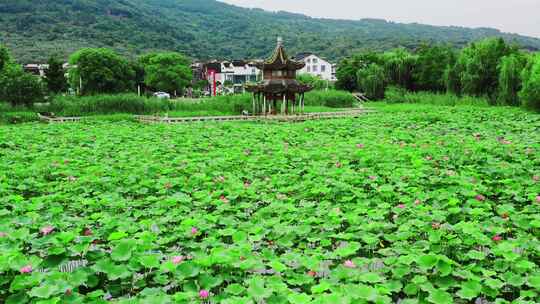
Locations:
(372, 177)
(312, 273)
(429, 157)
(480, 198)
(338, 165)
(436, 226)
(47, 230)
(194, 230)
(538, 198)
(497, 238)
(177, 259)
(26, 269)
(247, 184)
(87, 232)
(204, 294)
(349, 264)
(360, 146)
(224, 199)
(536, 178)
(401, 206)
(417, 202)
(2, 234)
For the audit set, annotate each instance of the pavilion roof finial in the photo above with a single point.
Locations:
(280, 41)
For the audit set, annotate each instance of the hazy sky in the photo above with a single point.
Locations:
(514, 16)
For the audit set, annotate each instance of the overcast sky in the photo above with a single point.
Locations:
(514, 16)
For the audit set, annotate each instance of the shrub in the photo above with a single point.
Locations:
(108, 104)
(18, 117)
(331, 98)
(20, 88)
(317, 83)
(399, 95)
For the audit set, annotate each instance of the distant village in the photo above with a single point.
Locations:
(230, 77)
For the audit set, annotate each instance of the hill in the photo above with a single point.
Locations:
(205, 29)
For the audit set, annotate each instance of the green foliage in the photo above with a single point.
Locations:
(55, 76)
(530, 94)
(431, 64)
(400, 95)
(108, 104)
(314, 81)
(206, 29)
(330, 98)
(369, 210)
(99, 71)
(452, 79)
(5, 57)
(20, 88)
(398, 65)
(167, 72)
(347, 69)
(372, 81)
(478, 64)
(510, 69)
(220, 105)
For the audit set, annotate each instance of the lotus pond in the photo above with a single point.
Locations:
(413, 204)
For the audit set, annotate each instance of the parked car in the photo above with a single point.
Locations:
(162, 95)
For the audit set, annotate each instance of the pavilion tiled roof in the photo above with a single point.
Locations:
(279, 60)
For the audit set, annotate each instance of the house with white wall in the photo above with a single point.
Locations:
(236, 72)
(316, 66)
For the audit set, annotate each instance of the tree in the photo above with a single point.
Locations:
(371, 81)
(55, 76)
(399, 65)
(347, 69)
(431, 64)
(20, 88)
(5, 57)
(169, 72)
(97, 71)
(530, 93)
(478, 64)
(452, 79)
(510, 69)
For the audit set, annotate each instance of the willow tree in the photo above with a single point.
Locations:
(510, 69)
(399, 67)
(431, 65)
(530, 93)
(372, 81)
(478, 66)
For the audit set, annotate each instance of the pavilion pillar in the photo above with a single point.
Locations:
(264, 104)
(302, 104)
(254, 104)
(284, 104)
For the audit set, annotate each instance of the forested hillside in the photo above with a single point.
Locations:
(203, 29)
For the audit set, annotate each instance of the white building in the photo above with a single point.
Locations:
(235, 73)
(317, 66)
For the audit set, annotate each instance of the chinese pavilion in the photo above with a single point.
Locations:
(279, 91)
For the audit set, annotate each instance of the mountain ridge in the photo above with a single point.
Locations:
(207, 29)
